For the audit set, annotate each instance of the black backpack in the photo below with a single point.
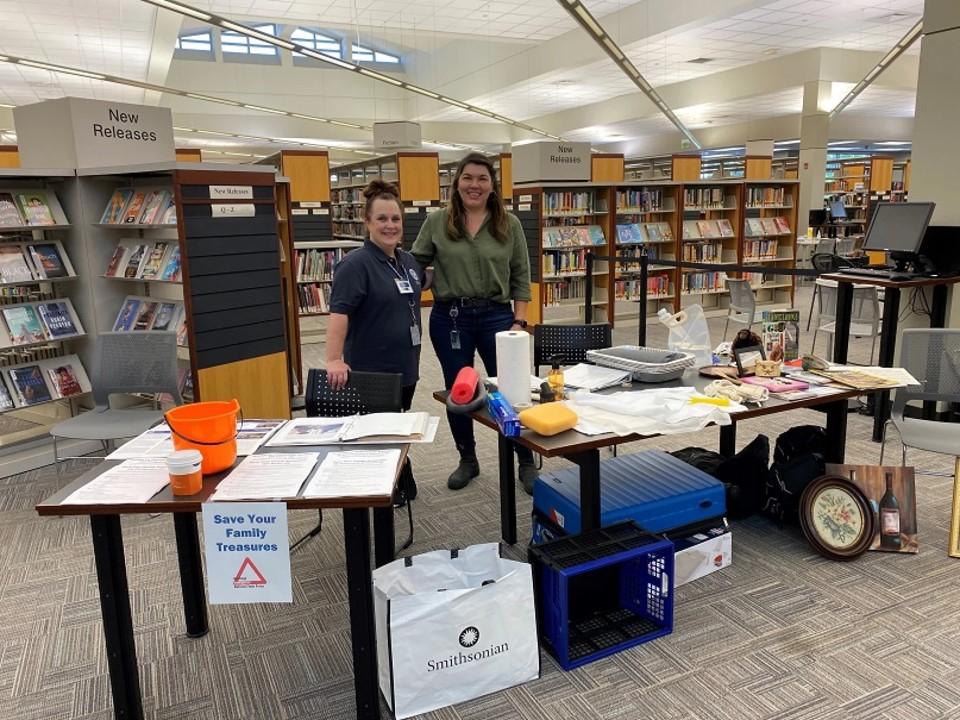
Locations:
(798, 459)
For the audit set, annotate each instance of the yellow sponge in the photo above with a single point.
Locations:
(548, 418)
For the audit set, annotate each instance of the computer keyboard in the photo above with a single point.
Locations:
(885, 273)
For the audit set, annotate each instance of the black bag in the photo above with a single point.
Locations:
(406, 485)
(744, 476)
(798, 459)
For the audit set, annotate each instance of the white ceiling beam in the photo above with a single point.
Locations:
(166, 28)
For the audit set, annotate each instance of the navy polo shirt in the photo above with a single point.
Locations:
(380, 317)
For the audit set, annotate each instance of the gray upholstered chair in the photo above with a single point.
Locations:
(932, 356)
(124, 363)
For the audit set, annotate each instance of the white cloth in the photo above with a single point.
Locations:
(663, 411)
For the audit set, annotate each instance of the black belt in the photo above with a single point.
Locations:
(469, 302)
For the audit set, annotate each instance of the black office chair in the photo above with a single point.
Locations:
(569, 341)
(364, 393)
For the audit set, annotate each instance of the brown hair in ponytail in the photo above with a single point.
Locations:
(456, 228)
(379, 189)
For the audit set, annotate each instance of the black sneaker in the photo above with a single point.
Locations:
(466, 471)
(528, 476)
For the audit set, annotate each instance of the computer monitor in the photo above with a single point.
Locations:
(837, 210)
(898, 228)
(939, 250)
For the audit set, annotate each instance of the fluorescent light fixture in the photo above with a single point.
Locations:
(61, 69)
(326, 58)
(587, 19)
(894, 142)
(215, 132)
(345, 124)
(422, 91)
(265, 109)
(612, 47)
(184, 9)
(380, 76)
(457, 103)
(207, 98)
(787, 142)
(309, 117)
(4, 105)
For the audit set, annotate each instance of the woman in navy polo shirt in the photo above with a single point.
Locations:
(374, 322)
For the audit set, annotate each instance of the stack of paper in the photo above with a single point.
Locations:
(355, 473)
(130, 482)
(269, 476)
(376, 428)
(594, 377)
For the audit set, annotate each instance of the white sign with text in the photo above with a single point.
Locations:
(545, 161)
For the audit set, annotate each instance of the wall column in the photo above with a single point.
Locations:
(814, 132)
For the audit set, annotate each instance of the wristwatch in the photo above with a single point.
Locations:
(521, 323)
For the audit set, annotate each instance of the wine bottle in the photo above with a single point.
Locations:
(889, 518)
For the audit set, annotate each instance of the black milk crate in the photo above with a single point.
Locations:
(602, 591)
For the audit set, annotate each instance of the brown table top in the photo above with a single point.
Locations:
(571, 442)
(839, 276)
(165, 501)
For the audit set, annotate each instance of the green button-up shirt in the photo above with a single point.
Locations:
(477, 267)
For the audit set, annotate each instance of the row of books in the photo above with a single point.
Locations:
(629, 233)
(38, 322)
(349, 229)
(28, 207)
(702, 252)
(23, 262)
(578, 203)
(759, 249)
(635, 251)
(698, 282)
(143, 313)
(129, 206)
(657, 286)
(348, 212)
(553, 293)
(16, 294)
(347, 195)
(565, 261)
(757, 227)
(765, 196)
(760, 279)
(25, 354)
(697, 229)
(314, 298)
(573, 236)
(644, 200)
(27, 385)
(314, 264)
(146, 261)
(706, 197)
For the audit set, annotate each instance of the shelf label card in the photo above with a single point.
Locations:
(321, 211)
(299, 211)
(525, 198)
(233, 210)
(422, 203)
(411, 210)
(231, 192)
(523, 206)
(311, 203)
(433, 209)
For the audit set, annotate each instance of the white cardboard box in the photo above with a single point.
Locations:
(701, 554)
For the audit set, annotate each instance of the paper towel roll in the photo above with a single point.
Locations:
(513, 367)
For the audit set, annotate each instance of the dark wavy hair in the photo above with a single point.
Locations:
(456, 229)
(379, 189)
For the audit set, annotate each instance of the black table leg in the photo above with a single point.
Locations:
(117, 619)
(728, 440)
(383, 536)
(836, 431)
(508, 490)
(191, 573)
(888, 345)
(589, 463)
(356, 535)
(841, 334)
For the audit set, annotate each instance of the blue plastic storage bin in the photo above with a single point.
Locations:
(601, 592)
(653, 488)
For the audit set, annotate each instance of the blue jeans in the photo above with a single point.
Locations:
(477, 329)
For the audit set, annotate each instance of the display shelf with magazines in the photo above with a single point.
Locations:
(769, 237)
(39, 382)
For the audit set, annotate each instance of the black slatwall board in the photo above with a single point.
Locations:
(312, 227)
(234, 277)
(412, 222)
(530, 221)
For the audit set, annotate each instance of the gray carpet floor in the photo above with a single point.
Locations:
(782, 634)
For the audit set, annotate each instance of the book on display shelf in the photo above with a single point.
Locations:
(153, 206)
(35, 207)
(114, 212)
(63, 380)
(135, 260)
(127, 315)
(48, 261)
(131, 213)
(166, 316)
(23, 324)
(145, 315)
(10, 215)
(29, 384)
(171, 271)
(6, 401)
(156, 261)
(13, 265)
(769, 226)
(726, 229)
(57, 318)
(169, 216)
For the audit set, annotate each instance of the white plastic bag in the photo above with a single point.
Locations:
(688, 332)
(453, 626)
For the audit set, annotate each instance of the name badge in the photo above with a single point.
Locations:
(404, 286)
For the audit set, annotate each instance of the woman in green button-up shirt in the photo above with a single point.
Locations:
(480, 265)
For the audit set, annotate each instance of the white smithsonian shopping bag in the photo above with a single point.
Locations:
(453, 625)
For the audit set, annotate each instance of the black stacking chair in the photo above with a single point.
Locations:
(570, 341)
(365, 392)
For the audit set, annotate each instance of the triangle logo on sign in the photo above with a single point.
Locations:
(248, 575)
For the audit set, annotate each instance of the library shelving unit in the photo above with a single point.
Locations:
(41, 328)
(313, 265)
(645, 215)
(561, 222)
(769, 237)
(710, 231)
(225, 241)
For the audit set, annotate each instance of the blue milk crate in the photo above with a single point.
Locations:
(601, 592)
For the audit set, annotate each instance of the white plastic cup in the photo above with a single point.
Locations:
(183, 467)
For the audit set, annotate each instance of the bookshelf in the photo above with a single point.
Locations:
(561, 223)
(41, 328)
(770, 237)
(710, 231)
(644, 215)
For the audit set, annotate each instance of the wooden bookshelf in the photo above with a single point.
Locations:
(685, 168)
(606, 167)
(769, 232)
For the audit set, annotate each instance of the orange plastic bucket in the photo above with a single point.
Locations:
(210, 427)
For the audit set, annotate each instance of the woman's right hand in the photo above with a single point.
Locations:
(337, 373)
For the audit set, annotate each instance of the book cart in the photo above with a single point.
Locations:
(42, 378)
